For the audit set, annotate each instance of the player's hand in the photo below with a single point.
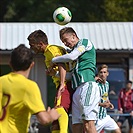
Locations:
(50, 71)
(111, 106)
(98, 80)
(53, 113)
(106, 104)
(120, 112)
(60, 91)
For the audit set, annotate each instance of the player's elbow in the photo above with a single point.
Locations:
(45, 121)
(44, 118)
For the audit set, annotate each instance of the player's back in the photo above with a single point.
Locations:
(16, 112)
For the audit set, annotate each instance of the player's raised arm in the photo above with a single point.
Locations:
(73, 55)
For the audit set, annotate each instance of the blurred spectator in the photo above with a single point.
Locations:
(125, 105)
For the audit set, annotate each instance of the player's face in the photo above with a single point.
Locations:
(36, 47)
(69, 40)
(128, 85)
(103, 74)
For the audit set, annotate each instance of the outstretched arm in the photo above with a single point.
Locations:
(73, 55)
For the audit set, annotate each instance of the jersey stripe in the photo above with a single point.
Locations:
(104, 96)
(88, 95)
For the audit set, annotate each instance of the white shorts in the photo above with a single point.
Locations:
(85, 102)
(106, 123)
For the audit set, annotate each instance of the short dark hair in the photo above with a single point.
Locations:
(128, 81)
(21, 58)
(37, 36)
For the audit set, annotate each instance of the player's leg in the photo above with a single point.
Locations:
(100, 125)
(63, 105)
(66, 100)
(110, 125)
(60, 126)
(120, 121)
(77, 128)
(130, 124)
(90, 97)
(89, 126)
(63, 120)
(85, 107)
(77, 124)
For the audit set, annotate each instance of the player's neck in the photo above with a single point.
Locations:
(24, 73)
(104, 81)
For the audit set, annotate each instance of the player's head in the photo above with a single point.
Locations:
(69, 37)
(103, 72)
(36, 41)
(128, 84)
(21, 58)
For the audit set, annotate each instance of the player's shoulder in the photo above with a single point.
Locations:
(107, 82)
(86, 43)
(3, 77)
(54, 46)
(56, 49)
(31, 82)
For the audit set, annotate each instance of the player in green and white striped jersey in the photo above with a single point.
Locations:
(104, 120)
(86, 96)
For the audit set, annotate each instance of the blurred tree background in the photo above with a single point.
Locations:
(82, 10)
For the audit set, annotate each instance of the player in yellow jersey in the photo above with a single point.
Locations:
(38, 41)
(0, 102)
(20, 96)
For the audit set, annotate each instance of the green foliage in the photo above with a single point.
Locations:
(82, 10)
(119, 10)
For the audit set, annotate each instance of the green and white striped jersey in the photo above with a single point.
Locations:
(85, 67)
(83, 58)
(104, 88)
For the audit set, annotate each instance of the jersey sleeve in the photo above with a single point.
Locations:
(73, 55)
(33, 99)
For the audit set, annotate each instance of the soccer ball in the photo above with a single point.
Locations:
(62, 15)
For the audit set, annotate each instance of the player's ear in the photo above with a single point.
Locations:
(41, 43)
(108, 74)
(32, 64)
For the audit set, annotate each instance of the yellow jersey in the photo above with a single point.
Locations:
(50, 52)
(21, 98)
(0, 97)
(0, 102)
